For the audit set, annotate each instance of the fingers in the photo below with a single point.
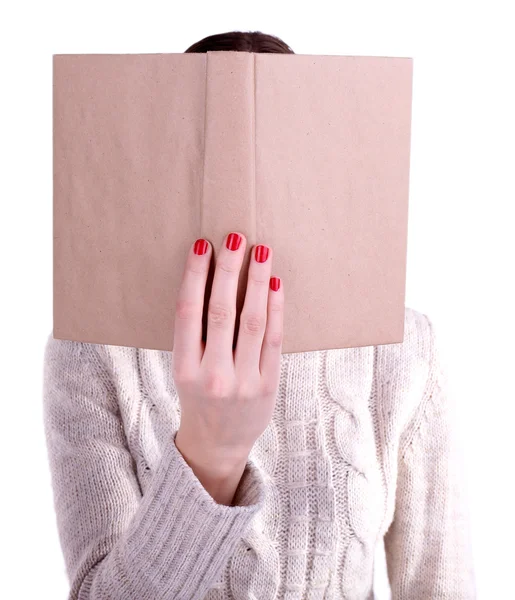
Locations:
(222, 302)
(253, 316)
(270, 365)
(261, 321)
(187, 343)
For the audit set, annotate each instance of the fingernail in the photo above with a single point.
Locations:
(233, 241)
(200, 246)
(275, 283)
(261, 253)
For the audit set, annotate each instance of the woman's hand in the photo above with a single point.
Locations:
(227, 398)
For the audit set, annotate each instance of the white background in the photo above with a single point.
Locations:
(460, 248)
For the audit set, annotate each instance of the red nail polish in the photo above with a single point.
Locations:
(200, 246)
(233, 241)
(275, 283)
(261, 253)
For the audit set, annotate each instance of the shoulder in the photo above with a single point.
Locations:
(406, 372)
(415, 354)
(102, 357)
(65, 353)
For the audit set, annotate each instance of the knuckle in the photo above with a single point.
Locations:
(246, 391)
(195, 270)
(185, 309)
(216, 385)
(275, 339)
(227, 267)
(259, 281)
(253, 324)
(275, 306)
(269, 389)
(219, 315)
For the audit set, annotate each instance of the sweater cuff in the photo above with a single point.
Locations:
(185, 537)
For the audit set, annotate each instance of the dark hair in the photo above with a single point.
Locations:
(241, 41)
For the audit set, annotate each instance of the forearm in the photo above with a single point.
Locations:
(219, 476)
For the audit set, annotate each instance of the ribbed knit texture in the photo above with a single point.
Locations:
(361, 450)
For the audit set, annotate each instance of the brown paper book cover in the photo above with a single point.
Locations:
(308, 154)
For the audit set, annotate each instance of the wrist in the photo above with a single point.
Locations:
(218, 477)
(214, 461)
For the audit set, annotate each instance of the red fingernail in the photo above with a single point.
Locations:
(261, 253)
(233, 241)
(200, 246)
(275, 283)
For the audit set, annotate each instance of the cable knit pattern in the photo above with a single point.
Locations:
(350, 383)
(360, 451)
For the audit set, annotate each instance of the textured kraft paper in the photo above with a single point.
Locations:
(308, 154)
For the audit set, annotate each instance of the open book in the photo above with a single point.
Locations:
(307, 154)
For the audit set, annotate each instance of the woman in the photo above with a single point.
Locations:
(208, 473)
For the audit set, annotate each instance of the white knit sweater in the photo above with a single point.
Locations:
(361, 449)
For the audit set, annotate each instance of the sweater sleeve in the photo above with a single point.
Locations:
(428, 545)
(171, 542)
